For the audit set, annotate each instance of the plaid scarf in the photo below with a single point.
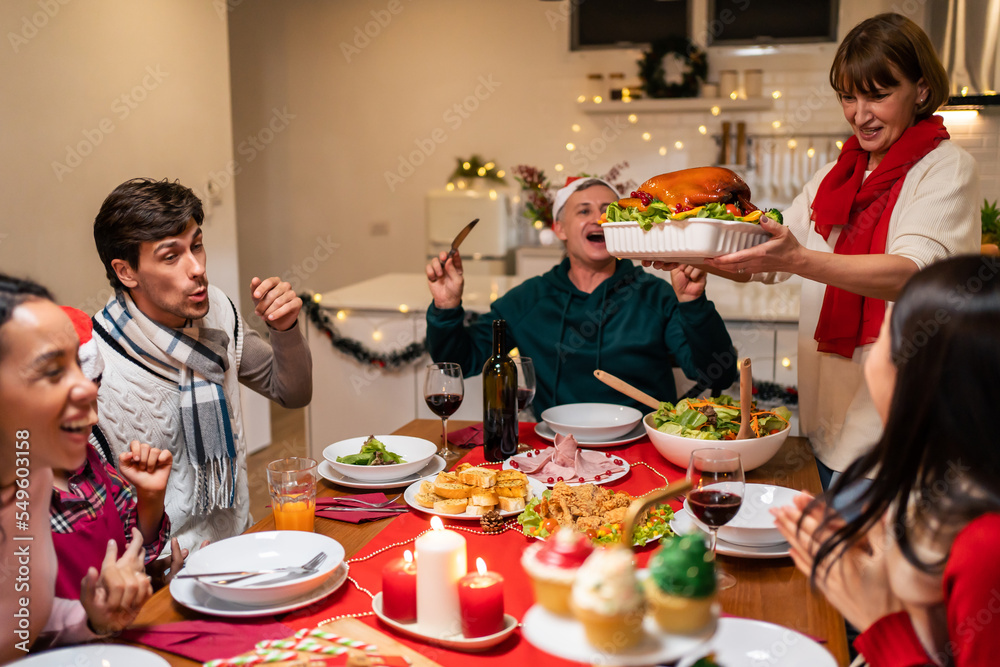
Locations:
(195, 358)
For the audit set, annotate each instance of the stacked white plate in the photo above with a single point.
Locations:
(752, 532)
(267, 593)
(592, 424)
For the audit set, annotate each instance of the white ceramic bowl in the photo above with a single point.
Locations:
(754, 525)
(416, 453)
(592, 421)
(677, 449)
(265, 551)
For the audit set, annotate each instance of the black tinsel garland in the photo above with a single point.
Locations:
(765, 391)
(356, 348)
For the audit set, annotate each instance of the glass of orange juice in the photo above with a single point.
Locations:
(292, 483)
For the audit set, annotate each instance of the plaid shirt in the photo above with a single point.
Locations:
(86, 499)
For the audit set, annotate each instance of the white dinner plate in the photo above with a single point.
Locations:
(189, 594)
(102, 655)
(543, 430)
(682, 523)
(454, 642)
(605, 479)
(326, 471)
(743, 642)
(410, 496)
(563, 637)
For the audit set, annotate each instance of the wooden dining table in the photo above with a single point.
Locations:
(770, 590)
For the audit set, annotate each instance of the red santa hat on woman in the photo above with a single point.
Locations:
(90, 357)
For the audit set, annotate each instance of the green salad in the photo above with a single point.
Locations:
(657, 212)
(716, 419)
(655, 525)
(373, 453)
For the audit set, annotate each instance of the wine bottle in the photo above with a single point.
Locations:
(499, 399)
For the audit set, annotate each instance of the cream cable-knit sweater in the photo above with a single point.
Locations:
(936, 216)
(134, 404)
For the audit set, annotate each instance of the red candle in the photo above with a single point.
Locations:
(399, 589)
(480, 598)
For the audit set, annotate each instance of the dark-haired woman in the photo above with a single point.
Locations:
(917, 571)
(899, 197)
(48, 406)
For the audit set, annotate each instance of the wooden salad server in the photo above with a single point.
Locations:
(627, 389)
(746, 400)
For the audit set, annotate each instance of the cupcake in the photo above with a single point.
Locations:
(608, 600)
(680, 588)
(552, 566)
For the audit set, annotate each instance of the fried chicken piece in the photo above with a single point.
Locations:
(615, 515)
(585, 523)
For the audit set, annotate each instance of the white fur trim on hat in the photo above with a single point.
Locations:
(562, 196)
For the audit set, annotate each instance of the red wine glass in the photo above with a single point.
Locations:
(525, 390)
(717, 480)
(443, 392)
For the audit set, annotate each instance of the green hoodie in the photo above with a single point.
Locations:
(631, 326)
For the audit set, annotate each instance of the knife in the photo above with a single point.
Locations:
(461, 237)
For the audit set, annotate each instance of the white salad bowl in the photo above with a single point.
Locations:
(416, 453)
(592, 421)
(269, 550)
(677, 449)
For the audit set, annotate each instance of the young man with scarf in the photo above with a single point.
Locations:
(176, 350)
(899, 197)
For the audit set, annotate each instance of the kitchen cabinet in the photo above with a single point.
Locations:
(678, 104)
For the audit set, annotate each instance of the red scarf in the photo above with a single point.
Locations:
(863, 206)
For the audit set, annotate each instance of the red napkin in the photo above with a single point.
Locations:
(341, 508)
(207, 640)
(470, 436)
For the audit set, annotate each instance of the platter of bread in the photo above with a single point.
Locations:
(469, 492)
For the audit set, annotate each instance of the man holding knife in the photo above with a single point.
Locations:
(589, 312)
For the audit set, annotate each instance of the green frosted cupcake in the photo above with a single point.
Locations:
(680, 588)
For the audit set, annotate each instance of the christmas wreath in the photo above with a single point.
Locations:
(672, 68)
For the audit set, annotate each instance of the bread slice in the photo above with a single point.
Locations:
(447, 478)
(511, 488)
(481, 477)
(449, 490)
(478, 510)
(511, 504)
(483, 497)
(426, 486)
(451, 505)
(511, 474)
(460, 467)
(427, 499)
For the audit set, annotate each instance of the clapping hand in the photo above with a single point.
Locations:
(113, 597)
(444, 277)
(146, 468)
(855, 580)
(688, 282)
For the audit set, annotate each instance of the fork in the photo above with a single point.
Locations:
(344, 500)
(292, 572)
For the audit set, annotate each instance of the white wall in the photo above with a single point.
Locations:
(364, 102)
(110, 89)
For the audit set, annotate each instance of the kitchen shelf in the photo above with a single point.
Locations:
(679, 104)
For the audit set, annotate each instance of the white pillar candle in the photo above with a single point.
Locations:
(441, 562)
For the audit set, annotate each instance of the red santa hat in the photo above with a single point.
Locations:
(90, 357)
(573, 184)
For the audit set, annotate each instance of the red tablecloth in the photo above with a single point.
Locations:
(502, 553)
